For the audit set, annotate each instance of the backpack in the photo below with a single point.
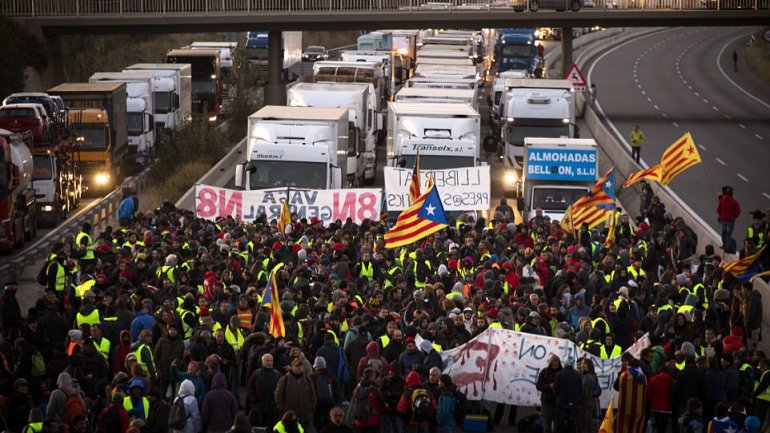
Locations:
(362, 408)
(421, 407)
(324, 390)
(110, 421)
(38, 365)
(177, 415)
(72, 408)
(42, 275)
(375, 364)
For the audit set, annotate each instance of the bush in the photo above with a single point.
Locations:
(758, 58)
(246, 97)
(172, 187)
(19, 49)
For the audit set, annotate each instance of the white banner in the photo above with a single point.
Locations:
(212, 202)
(502, 366)
(461, 189)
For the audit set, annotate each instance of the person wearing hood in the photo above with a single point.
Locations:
(415, 423)
(113, 412)
(579, 310)
(121, 351)
(21, 403)
(193, 374)
(58, 400)
(295, 391)
(372, 360)
(544, 384)
(144, 320)
(219, 406)
(137, 405)
(567, 390)
(187, 394)
(432, 358)
(170, 347)
(367, 392)
(533, 325)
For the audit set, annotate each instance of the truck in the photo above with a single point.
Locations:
(331, 71)
(557, 172)
(225, 53)
(140, 113)
(257, 48)
(375, 41)
(446, 135)
(17, 195)
(443, 96)
(101, 155)
(206, 72)
(366, 123)
(171, 92)
(297, 147)
(496, 97)
(57, 181)
(534, 108)
(516, 50)
(447, 71)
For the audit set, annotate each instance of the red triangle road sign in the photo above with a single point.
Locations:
(576, 77)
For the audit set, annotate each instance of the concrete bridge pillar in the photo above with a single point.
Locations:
(566, 50)
(275, 91)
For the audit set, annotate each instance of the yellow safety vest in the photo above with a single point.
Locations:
(92, 318)
(140, 360)
(634, 272)
(760, 234)
(61, 277)
(168, 271)
(89, 245)
(34, 427)
(336, 340)
(187, 329)
(666, 307)
(419, 284)
(680, 365)
(104, 348)
(280, 428)
(595, 323)
(516, 327)
(685, 309)
(128, 405)
(235, 340)
(765, 395)
(496, 324)
(614, 354)
(384, 341)
(83, 287)
(367, 272)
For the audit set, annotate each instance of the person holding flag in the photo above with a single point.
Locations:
(272, 300)
(414, 182)
(423, 218)
(284, 220)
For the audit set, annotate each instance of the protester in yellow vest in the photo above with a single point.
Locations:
(143, 352)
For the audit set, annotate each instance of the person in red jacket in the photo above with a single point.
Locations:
(659, 393)
(728, 211)
(369, 389)
(105, 422)
(418, 419)
(372, 360)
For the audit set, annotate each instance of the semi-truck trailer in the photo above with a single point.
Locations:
(446, 135)
(366, 123)
(295, 147)
(206, 71)
(557, 172)
(103, 163)
(172, 92)
(17, 195)
(443, 96)
(140, 113)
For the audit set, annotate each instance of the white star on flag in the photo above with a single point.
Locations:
(430, 208)
(609, 185)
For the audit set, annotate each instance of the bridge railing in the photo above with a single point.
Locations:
(76, 8)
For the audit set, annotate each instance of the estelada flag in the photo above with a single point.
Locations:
(652, 173)
(740, 266)
(414, 183)
(272, 299)
(593, 208)
(423, 218)
(609, 241)
(680, 156)
(608, 423)
(284, 220)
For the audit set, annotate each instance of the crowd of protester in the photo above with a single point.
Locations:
(159, 324)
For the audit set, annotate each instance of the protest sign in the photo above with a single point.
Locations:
(212, 202)
(461, 189)
(502, 366)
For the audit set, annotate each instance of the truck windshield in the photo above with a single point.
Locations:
(41, 167)
(93, 138)
(435, 162)
(271, 174)
(515, 134)
(134, 123)
(555, 199)
(517, 51)
(207, 87)
(163, 102)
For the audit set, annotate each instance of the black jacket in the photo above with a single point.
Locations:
(690, 383)
(568, 388)
(544, 382)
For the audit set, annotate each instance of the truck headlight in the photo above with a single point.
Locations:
(510, 178)
(47, 208)
(102, 179)
(212, 118)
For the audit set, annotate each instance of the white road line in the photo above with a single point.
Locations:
(644, 92)
(702, 147)
(705, 101)
(743, 178)
(719, 65)
(715, 108)
(665, 116)
(721, 162)
(639, 85)
(742, 126)
(766, 195)
(649, 99)
(727, 116)
(676, 125)
(689, 87)
(758, 136)
(656, 107)
(697, 94)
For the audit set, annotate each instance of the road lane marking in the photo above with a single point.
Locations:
(676, 125)
(665, 116)
(697, 94)
(705, 101)
(644, 92)
(742, 126)
(727, 116)
(649, 99)
(766, 195)
(715, 108)
(743, 178)
(721, 162)
(758, 136)
(656, 107)
(719, 66)
(702, 147)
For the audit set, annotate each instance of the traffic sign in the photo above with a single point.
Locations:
(576, 77)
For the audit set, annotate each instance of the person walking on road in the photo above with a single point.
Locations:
(728, 211)
(637, 138)
(735, 61)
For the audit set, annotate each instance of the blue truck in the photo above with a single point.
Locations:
(515, 50)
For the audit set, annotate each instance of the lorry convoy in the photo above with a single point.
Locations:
(171, 92)
(206, 73)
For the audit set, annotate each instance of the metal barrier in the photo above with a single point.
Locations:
(100, 214)
(76, 8)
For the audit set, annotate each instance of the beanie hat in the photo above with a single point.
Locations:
(688, 349)
(319, 362)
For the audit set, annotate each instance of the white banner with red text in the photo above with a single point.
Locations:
(212, 202)
(461, 189)
(502, 366)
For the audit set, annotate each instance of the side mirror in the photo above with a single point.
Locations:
(380, 121)
(336, 177)
(240, 170)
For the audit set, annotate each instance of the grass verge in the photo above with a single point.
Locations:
(758, 58)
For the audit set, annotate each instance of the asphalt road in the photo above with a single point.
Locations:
(683, 80)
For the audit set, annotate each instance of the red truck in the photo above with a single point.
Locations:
(17, 196)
